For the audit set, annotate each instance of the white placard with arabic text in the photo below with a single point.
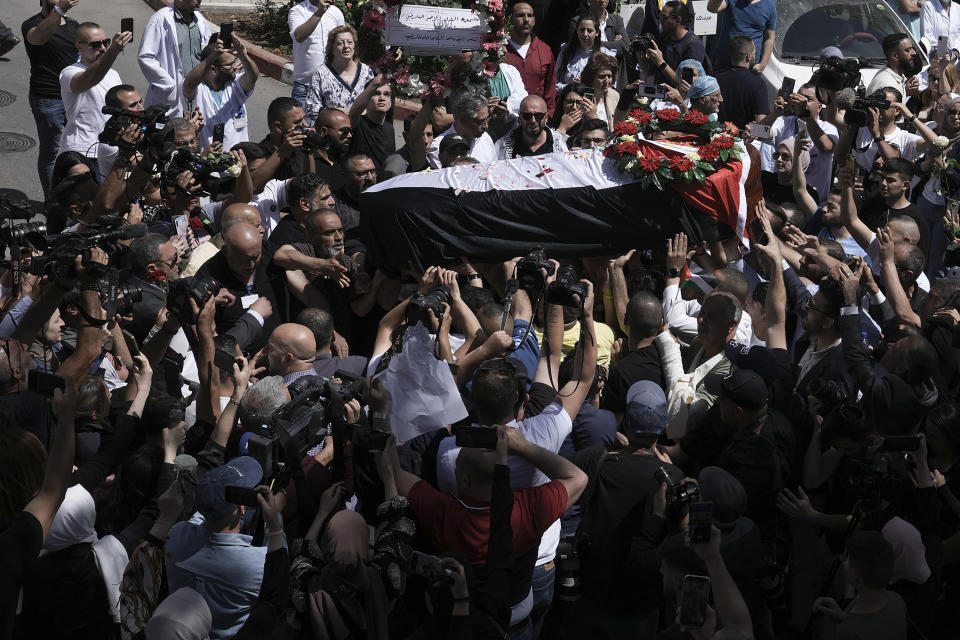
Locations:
(423, 30)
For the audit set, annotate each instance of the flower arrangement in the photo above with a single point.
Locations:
(426, 76)
(652, 166)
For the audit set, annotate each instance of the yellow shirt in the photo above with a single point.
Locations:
(605, 340)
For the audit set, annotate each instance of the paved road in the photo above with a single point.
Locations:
(19, 169)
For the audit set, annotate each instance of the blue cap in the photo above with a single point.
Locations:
(646, 412)
(703, 86)
(211, 502)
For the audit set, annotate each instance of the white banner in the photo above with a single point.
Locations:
(424, 30)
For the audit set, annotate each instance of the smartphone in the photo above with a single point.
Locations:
(701, 519)
(43, 383)
(590, 95)
(757, 234)
(423, 564)
(693, 600)
(235, 494)
(181, 224)
(687, 75)
(652, 90)
(218, 132)
(943, 46)
(226, 34)
(225, 360)
(126, 24)
(899, 443)
(476, 437)
(786, 89)
(802, 128)
(132, 345)
(852, 164)
(758, 130)
(369, 438)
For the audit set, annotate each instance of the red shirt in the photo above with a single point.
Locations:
(537, 70)
(465, 527)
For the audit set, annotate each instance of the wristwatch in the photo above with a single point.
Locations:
(879, 139)
(673, 272)
(662, 65)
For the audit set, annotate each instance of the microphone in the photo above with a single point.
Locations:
(846, 98)
(121, 233)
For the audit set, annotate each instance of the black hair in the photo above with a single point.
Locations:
(683, 11)
(644, 315)
(477, 297)
(251, 150)
(280, 107)
(891, 42)
(872, 557)
(900, 166)
(303, 186)
(72, 190)
(573, 42)
(66, 161)
(111, 99)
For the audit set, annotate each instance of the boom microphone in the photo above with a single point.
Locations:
(846, 98)
(122, 233)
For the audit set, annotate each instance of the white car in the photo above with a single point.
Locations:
(806, 27)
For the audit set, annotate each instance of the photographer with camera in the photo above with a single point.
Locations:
(677, 42)
(284, 144)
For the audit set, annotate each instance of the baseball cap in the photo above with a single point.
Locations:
(725, 492)
(745, 388)
(646, 412)
(448, 142)
(211, 503)
(758, 358)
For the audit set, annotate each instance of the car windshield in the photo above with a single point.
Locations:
(805, 27)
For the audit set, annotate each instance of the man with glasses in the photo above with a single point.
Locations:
(471, 118)
(220, 93)
(593, 135)
(50, 43)
(84, 86)
(823, 359)
(531, 136)
(336, 134)
(359, 173)
(705, 96)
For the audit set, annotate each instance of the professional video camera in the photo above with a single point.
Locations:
(61, 250)
(566, 290)
(28, 233)
(829, 392)
(299, 425)
(836, 73)
(314, 140)
(418, 307)
(205, 170)
(529, 277)
(128, 295)
(15, 204)
(182, 290)
(679, 494)
(151, 123)
(856, 112)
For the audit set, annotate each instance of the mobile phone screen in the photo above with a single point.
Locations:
(693, 601)
(126, 24)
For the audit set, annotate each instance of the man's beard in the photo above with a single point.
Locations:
(336, 150)
(330, 252)
(913, 66)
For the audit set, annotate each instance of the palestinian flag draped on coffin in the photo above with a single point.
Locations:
(572, 204)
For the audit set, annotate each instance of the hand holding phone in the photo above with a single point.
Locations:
(244, 496)
(226, 34)
(693, 600)
(701, 519)
(476, 437)
(126, 25)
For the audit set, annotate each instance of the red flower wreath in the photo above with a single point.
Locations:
(723, 142)
(696, 118)
(651, 163)
(681, 164)
(667, 115)
(625, 129)
(709, 153)
(628, 149)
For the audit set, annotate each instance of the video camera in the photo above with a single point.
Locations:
(61, 250)
(299, 425)
(204, 170)
(643, 43)
(856, 114)
(150, 121)
(314, 140)
(418, 307)
(529, 277)
(836, 73)
(15, 204)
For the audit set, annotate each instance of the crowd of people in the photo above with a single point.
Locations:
(222, 418)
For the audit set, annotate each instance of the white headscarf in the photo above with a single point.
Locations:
(74, 524)
(909, 553)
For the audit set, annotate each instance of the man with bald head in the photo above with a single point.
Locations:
(239, 212)
(241, 269)
(531, 136)
(642, 360)
(335, 130)
(290, 352)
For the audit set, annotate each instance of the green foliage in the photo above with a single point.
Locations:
(268, 24)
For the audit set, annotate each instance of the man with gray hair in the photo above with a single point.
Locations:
(470, 120)
(260, 401)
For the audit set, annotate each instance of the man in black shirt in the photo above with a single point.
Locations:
(676, 42)
(744, 92)
(642, 361)
(51, 46)
(305, 193)
(283, 114)
(360, 173)
(337, 134)
(373, 132)
(531, 136)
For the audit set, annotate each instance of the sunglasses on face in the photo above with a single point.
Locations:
(533, 116)
(96, 44)
(593, 140)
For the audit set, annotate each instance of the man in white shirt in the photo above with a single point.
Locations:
(214, 86)
(170, 47)
(84, 86)
(310, 23)
(938, 19)
(120, 96)
(903, 63)
(471, 117)
(882, 135)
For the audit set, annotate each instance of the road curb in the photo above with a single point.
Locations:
(281, 69)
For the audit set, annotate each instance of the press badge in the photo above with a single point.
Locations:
(240, 119)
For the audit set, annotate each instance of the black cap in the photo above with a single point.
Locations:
(449, 141)
(745, 388)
